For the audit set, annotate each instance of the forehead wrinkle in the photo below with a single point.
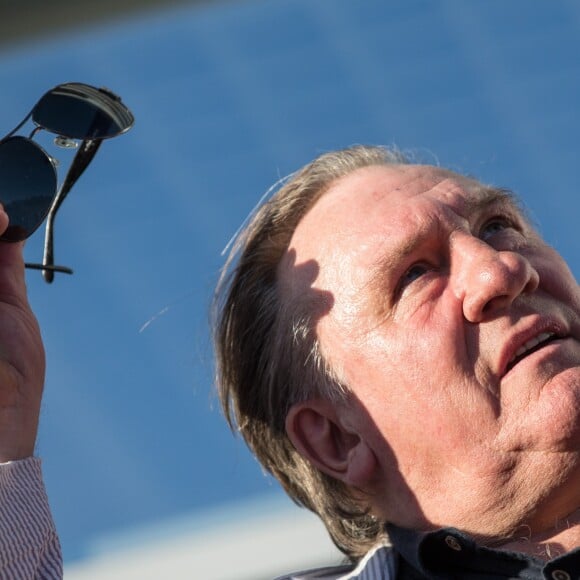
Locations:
(467, 195)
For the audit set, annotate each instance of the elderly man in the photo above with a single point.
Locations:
(401, 349)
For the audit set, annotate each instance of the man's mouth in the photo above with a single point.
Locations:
(531, 346)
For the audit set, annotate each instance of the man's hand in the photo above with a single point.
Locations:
(22, 361)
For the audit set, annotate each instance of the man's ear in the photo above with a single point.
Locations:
(318, 433)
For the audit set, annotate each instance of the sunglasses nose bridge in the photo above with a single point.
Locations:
(34, 131)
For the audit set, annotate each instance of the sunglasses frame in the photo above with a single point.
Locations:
(105, 102)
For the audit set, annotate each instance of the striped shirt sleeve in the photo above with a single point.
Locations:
(29, 544)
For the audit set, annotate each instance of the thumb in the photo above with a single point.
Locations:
(11, 263)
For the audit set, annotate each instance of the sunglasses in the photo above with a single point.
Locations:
(28, 177)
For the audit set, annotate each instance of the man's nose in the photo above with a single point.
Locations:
(490, 280)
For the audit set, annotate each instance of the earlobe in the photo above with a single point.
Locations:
(319, 436)
(363, 466)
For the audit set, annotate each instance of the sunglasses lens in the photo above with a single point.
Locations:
(80, 111)
(27, 186)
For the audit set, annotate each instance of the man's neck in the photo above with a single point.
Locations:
(563, 537)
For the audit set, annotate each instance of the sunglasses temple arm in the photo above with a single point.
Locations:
(86, 152)
(17, 128)
(48, 256)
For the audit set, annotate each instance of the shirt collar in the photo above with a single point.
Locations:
(448, 552)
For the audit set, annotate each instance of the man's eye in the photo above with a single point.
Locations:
(412, 274)
(496, 225)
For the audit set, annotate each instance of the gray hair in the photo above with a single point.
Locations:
(268, 356)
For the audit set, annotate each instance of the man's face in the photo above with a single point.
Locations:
(458, 331)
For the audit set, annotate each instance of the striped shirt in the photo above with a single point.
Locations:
(29, 545)
(378, 564)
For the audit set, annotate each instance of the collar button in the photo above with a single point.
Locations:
(455, 545)
(560, 575)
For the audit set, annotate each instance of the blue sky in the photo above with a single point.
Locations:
(227, 99)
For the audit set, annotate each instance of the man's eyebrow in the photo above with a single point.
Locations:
(490, 196)
(389, 261)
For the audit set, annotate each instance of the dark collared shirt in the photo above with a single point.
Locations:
(448, 554)
(445, 554)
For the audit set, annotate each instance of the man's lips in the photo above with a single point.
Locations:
(526, 342)
(530, 347)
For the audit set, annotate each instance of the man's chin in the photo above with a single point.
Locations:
(560, 409)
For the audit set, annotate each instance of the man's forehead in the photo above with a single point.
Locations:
(377, 201)
(365, 191)
(408, 181)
